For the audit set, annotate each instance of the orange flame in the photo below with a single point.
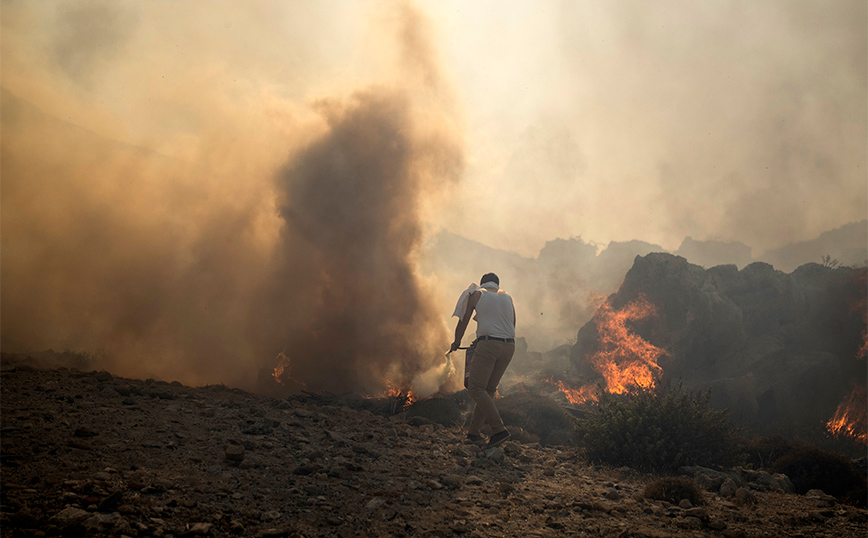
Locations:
(400, 392)
(851, 417)
(583, 394)
(281, 371)
(625, 359)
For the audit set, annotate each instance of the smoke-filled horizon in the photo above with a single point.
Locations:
(244, 222)
(189, 190)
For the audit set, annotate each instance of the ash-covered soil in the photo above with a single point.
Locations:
(91, 454)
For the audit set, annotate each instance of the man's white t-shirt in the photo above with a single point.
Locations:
(495, 315)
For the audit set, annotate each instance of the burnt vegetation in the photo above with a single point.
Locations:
(674, 489)
(812, 468)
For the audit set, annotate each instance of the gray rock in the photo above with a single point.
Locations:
(71, 515)
(690, 523)
(303, 413)
(474, 480)
(105, 521)
(783, 483)
(110, 503)
(495, 454)
(728, 488)
(745, 496)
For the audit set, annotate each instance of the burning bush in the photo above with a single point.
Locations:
(673, 489)
(539, 415)
(659, 430)
(811, 468)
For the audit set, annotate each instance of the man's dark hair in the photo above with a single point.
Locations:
(489, 277)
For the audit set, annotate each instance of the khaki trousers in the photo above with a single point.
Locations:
(490, 360)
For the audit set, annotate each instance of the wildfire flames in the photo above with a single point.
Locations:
(586, 393)
(281, 371)
(399, 392)
(851, 417)
(625, 360)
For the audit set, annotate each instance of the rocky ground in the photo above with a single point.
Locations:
(90, 454)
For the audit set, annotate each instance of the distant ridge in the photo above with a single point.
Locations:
(847, 244)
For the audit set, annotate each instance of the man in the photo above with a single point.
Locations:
(494, 347)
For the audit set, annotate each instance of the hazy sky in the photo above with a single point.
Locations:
(143, 146)
(613, 120)
(730, 120)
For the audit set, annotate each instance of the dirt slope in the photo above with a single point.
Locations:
(89, 454)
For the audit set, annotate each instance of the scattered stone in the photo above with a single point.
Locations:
(821, 498)
(110, 503)
(685, 504)
(495, 454)
(728, 488)
(335, 472)
(84, 433)
(198, 529)
(303, 413)
(744, 496)
(473, 481)
(103, 376)
(258, 427)
(690, 523)
(234, 452)
(70, 515)
(782, 482)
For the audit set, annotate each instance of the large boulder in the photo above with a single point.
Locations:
(774, 348)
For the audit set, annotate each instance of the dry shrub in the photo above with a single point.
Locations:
(764, 451)
(673, 489)
(811, 468)
(538, 415)
(659, 430)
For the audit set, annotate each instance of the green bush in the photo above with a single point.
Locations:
(673, 489)
(811, 468)
(659, 430)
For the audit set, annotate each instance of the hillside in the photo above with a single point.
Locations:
(90, 454)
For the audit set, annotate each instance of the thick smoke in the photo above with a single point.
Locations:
(194, 229)
(351, 209)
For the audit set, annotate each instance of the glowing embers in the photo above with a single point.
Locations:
(625, 360)
(583, 394)
(851, 417)
(401, 393)
(281, 371)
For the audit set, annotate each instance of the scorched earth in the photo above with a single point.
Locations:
(91, 454)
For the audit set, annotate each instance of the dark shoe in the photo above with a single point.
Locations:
(474, 439)
(498, 438)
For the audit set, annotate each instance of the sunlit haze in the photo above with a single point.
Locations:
(191, 188)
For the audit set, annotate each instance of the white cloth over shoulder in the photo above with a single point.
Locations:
(461, 306)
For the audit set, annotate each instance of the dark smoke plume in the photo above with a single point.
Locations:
(239, 223)
(352, 233)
